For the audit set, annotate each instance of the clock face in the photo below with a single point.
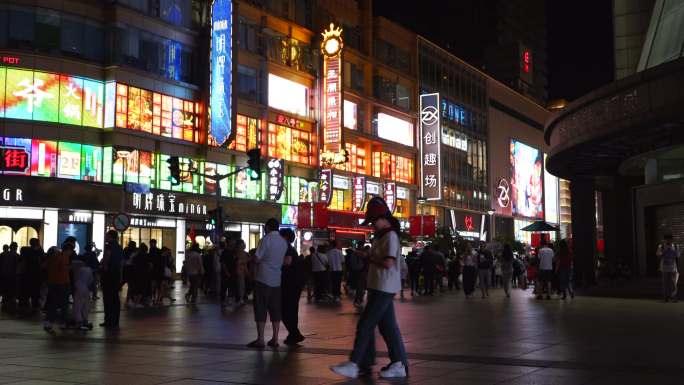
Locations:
(332, 46)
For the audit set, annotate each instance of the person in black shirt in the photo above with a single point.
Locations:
(293, 281)
(111, 280)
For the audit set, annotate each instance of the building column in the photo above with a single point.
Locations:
(583, 231)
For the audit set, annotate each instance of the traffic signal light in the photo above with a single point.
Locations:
(216, 219)
(174, 170)
(254, 163)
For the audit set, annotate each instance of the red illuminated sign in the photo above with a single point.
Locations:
(468, 223)
(332, 88)
(422, 225)
(289, 122)
(14, 60)
(526, 61)
(15, 160)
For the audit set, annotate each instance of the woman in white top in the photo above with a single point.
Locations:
(383, 282)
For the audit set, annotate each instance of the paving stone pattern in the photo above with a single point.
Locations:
(450, 340)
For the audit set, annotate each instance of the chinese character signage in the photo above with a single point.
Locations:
(359, 192)
(221, 58)
(15, 159)
(332, 89)
(391, 195)
(325, 186)
(276, 177)
(430, 139)
(167, 203)
(33, 95)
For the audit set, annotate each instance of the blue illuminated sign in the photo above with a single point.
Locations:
(454, 112)
(221, 72)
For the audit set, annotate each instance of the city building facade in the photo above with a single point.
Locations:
(620, 147)
(96, 98)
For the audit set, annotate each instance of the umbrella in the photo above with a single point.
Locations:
(540, 226)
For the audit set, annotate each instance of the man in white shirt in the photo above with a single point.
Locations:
(269, 259)
(545, 255)
(335, 260)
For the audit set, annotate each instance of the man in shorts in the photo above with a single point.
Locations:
(269, 260)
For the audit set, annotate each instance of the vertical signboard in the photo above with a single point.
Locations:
(331, 47)
(430, 140)
(325, 186)
(276, 176)
(221, 61)
(391, 195)
(359, 192)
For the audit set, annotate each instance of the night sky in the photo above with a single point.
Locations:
(580, 36)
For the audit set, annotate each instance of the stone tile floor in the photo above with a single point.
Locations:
(450, 340)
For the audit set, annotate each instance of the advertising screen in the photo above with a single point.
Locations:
(221, 72)
(71, 100)
(15, 156)
(43, 158)
(551, 196)
(395, 129)
(287, 95)
(91, 163)
(48, 97)
(526, 180)
(69, 160)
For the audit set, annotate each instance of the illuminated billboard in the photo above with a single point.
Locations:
(154, 113)
(48, 97)
(395, 129)
(287, 95)
(221, 61)
(526, 180)
(551, 203)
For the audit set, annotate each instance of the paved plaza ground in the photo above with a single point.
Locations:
(450, 340)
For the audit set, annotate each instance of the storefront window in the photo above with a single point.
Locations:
(341, 200)
(156, 113)
(289, 144)
(350, 117)
(246, 134)
(393, 167)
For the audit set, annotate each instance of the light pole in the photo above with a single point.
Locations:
(491, 223)
(421, 201)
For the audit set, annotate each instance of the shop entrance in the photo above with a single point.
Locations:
(164, 237)
(661, 220)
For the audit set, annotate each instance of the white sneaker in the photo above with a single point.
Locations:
(347, 369)
(395, 370)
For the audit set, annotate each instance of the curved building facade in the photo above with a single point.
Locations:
(621, 146)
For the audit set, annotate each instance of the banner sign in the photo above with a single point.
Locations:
(221, 79)
(276, 177)
(325, 186)
(391, 195)
(359, 192)
(430, 142)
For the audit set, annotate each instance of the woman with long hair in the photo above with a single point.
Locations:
(383, 283)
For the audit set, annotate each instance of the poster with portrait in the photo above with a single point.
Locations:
(526, 180)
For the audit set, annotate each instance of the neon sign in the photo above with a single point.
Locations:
(221, 55)
(14, 60)
(332, 89)
(430, 139)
